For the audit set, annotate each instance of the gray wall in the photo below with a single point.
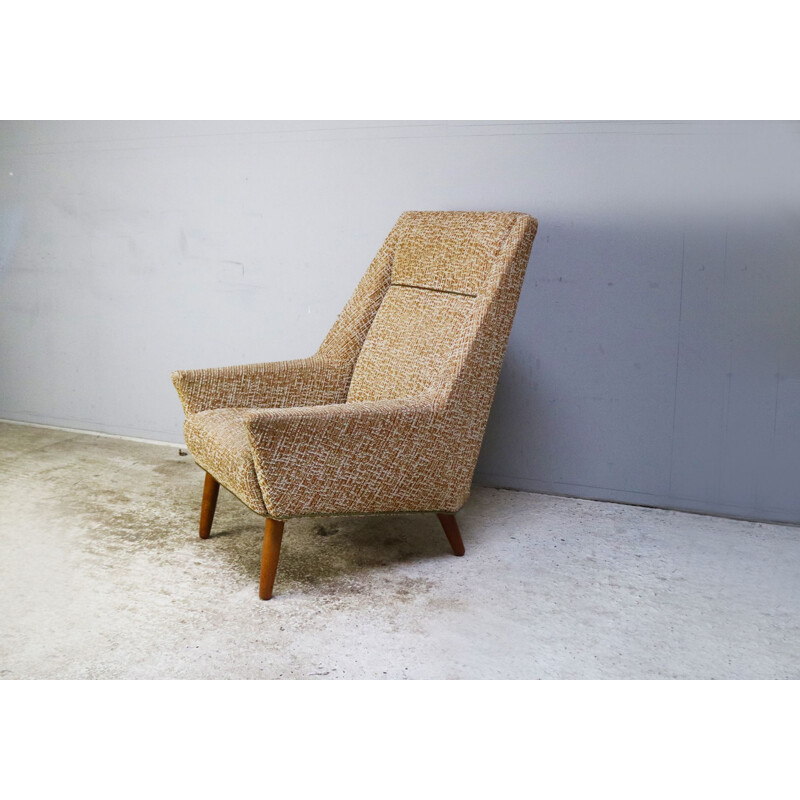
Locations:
(655, 357)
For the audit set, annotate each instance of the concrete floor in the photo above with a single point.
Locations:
(102, 575)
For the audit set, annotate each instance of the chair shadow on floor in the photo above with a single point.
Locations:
(332, 552)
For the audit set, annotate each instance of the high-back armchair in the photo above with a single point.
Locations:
(389, 414)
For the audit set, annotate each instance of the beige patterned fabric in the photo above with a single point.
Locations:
(217, 438)
(409, 343)
(435, 253)
(304, 382)
(389, 415)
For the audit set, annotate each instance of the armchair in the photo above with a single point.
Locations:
(389, 414)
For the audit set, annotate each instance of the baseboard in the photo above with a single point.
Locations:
(180, 445)
(643, 499)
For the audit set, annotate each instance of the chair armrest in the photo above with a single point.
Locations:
(302, 382)
(349, 458)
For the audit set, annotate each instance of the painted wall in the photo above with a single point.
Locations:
(655, 357)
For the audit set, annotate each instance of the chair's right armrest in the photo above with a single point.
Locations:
(276, 384)
(367, 457)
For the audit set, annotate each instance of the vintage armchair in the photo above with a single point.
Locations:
(389, 414)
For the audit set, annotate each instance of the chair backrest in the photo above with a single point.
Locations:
(443, 269)
(432, 316)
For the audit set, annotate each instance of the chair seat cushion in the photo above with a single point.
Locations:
(219, 442)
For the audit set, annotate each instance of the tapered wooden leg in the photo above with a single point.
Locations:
(210, 493)
(452, 533)
(273, 535)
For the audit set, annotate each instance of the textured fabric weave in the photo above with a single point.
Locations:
(449, 251)
(304, 382)
(219, 443)
(409, 343)
(389, 415)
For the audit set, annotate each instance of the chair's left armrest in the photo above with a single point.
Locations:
(302, 382)
(370, 457)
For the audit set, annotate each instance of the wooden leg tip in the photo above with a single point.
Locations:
(453, 534)
(209, 506)
(273, 534)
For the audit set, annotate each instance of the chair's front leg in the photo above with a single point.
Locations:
(209, 506)
(271, 551)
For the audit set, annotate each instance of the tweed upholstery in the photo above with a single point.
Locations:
(389, 415)
(218, 440)
(448, 251)
(304, 382)
(409, 343)
(343, 459)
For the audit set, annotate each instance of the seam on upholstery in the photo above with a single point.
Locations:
(431, 289)
(508, 234)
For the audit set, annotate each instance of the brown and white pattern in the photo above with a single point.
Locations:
(389, 414)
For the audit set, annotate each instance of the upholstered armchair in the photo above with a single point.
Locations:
(389, 414)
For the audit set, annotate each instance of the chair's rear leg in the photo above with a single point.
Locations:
(271, 551)
(210, 492)
(452, 533)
